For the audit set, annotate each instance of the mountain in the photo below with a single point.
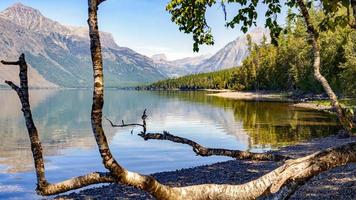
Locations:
(229, 56)
(233, 53)
(59, 55)
(159, 58)
(179, 67)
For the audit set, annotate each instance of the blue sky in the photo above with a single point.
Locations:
(142, 25)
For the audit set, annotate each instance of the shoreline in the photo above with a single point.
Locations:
(297, 101)
(337, 183)
(254, 96)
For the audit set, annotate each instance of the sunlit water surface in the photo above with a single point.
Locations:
(63, 120)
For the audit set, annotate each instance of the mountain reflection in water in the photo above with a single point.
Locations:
(63, 121)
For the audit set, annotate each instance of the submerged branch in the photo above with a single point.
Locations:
(204, 151)
(122, 124)
(199, 149)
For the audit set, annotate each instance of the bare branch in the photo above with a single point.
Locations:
(14, 87)
(199, 149)
(10, 62)
(204, 151)
(121, 125)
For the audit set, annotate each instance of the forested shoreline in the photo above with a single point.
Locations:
(284, 67)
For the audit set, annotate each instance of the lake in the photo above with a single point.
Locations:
(63, 121)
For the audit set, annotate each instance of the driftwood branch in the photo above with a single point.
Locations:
(204, 151)
(10, 62)
(199, 149)
(43, 186)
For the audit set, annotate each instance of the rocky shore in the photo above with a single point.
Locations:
(338, 183)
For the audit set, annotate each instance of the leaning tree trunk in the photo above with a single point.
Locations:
(36, 146)
(296, 170)
(344, 119)
(123, 176)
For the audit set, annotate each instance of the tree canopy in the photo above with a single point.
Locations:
(190, 15)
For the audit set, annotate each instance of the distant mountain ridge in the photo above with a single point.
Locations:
(59, 55)
(179, 67)
(229, 56)
(233, 53)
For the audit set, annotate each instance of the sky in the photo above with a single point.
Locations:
(142, 25)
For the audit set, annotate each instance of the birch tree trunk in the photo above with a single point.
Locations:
(344, 119)
(298, 170)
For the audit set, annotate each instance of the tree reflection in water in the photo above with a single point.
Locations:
(63, 119)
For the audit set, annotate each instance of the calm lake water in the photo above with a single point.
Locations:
(63, 120)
